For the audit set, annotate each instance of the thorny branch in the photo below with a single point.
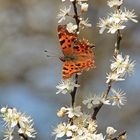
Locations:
(109, 85)
(76, 17)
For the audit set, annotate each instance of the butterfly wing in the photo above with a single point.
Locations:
(69, 68)
(81, 49)
(85, 54)
(85, 59)
(66, 39)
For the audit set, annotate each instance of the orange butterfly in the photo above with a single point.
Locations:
(78, 54)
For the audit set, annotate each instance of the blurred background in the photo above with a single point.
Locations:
(28, 78)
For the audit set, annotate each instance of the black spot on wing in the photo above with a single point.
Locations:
(62, 42)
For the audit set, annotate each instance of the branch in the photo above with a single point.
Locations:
(76, 17)
(120, 136)
(73, 93)
(24, 137)
(105, 95)
(117, 45)
(116, 52)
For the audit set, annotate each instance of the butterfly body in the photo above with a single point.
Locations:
(78, 54)
(68, 58)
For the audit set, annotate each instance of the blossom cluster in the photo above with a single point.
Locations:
(14, 120)
(116, 20)
(67, 12)
(80, 127)
(117, 98)
(120, 68)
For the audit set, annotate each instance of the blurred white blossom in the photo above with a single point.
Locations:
(84, 23)
(62, 112)
(8, 134)
(113, 3)
(12, 118)
(66, 86)
(130, 15)
(110, 131)
(118, 97)
(62, 129)
(71, 27)
(28, 130)
(123, 65)
(95, 100)
(84, 7)
(114, 77)
(116, 21)
(74, 111)
(63, 13)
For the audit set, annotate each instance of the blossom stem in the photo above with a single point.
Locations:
(119, 37)
(117, 47)
(119, 136)
(22, 135)
(105, 95)
(73, 93)
(76, 17)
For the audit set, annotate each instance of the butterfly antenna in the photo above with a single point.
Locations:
(50, 54)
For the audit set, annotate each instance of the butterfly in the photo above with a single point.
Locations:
(78, 54)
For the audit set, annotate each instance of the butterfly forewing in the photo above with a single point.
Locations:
(66, 39)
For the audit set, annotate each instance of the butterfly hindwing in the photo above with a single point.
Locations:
(69, 68)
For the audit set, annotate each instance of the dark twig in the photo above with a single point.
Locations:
(76, 17)
(73, 93)
(117, 45)
(120, 136)
(97, 108)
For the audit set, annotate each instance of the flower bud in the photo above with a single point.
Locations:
(61, 112)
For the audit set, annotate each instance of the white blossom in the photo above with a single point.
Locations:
(66, 86)
(13, 118)
(116, 21)
(118, 97)
(71, 27)
(62, 129)
(61, 112)
(130, 15)
(84, 23)
(88, 102)
(114, 77)
(103, 24)
(110, 130)
(123, 65)
(10, 116)
(129, 65)
(63, 13)
(113, 3)
(95, 100)
(74, 111)
(114, 27)
(8, 134)
(98, 136)
(84, 7)
(28, 130)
